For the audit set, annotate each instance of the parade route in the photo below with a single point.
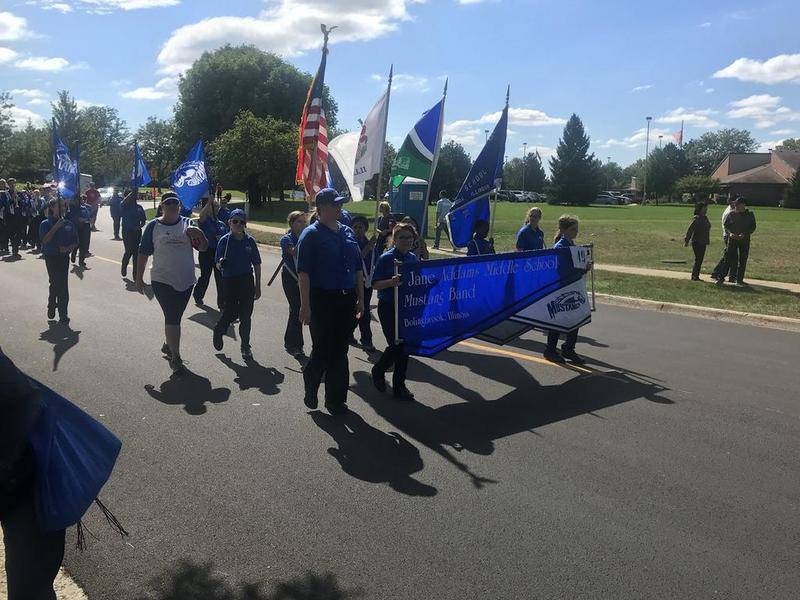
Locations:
(667, 467)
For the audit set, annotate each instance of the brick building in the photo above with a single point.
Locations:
(762, 178)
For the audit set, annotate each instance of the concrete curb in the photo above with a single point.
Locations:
(704, 312)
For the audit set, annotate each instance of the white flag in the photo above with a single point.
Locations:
(369, 153)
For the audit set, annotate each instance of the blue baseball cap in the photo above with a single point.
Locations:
(238, 213)
(329, 196)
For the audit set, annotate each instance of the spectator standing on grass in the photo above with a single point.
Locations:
(443, 206)
(723, 268)
(530, 237)
(739, 225)
(698, 235)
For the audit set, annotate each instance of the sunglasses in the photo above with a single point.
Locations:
(237, 222)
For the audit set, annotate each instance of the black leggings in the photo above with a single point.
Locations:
(207, 267)
(130, 240)
(172, 302)
(239, 297)
(395, 354)
(699, 255)
(58, 273)
(293, 337)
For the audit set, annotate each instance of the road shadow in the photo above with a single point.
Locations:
(62, 337)
(198, 581)
(373, 456)
(190, 390)
(130, 286)
(254, 375)
(209, 317)
(11, 258)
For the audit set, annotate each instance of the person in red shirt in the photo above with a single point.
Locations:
(93, 200)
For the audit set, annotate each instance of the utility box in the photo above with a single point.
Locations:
(410, 200)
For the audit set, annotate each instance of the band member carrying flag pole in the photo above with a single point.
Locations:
(312, 152)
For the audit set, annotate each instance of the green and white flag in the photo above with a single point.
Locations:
(418, 155)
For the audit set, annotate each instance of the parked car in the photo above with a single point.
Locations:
(506, 196)
(105, 195)
(609, 199)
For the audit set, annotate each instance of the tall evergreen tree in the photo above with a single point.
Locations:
(574, 172)
(5, 129)
(157, 140)
(535, 176)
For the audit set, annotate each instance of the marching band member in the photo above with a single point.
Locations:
(59, 237)
(360, 227)
(479, 245)
(293, 336)
(530, 237)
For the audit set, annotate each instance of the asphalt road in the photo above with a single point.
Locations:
(670, 469)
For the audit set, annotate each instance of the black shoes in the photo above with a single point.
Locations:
(218, 342)
(166, 351)
(369, 348)
(247, 353)
(337, 409)
(176, 364)
(124, 270)
(553, 356)
(51, 312)
(296, 352)
(378, 380)
(64, 320)
(572, 357)
(311, 401)
(403, 394)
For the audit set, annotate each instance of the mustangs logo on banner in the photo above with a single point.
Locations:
(442, 302)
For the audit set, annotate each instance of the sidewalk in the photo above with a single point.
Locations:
(777, 285)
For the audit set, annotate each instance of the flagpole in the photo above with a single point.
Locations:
(378, 196)
(396, 292)
(494, 203)
(681, 133)
(55, 166)
(434, 163)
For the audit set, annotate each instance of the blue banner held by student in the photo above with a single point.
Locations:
(140, 176)
(442, 302)
(190, 180)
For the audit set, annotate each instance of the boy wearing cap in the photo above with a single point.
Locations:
(331, 283)
(237, 258)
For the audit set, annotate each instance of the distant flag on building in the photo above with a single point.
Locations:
(140, 176)
(372, 139)
(418, 155)
(190, 179)
(312, 153)
(471, 204)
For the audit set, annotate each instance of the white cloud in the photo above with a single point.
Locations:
(706, 24)
(639, 138)
(768, 145)
(698, 118)
(471, 133)
(37, 102)
(28, 93)
(642, 88)
(166, 87)
(81, 104)
(782, 132)
(778, 69)
(12, 27)
(287, 27)
(404, 82)
(709, 90)
(61, 7)
(42, 63)
(7, 54)
(101, 6)
(21, 116)
(764, 109)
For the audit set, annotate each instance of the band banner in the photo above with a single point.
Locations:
(442, 302)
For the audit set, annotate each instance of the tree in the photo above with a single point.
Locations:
(634, 170)
(789, 144)
(451, 170)
(707, 152)
(67, 118)
(793, 194)
(699, 186)
(157, 141)
(105, 146)
(664, 167)
(5, 129)
(223, 83)
(29, 153)
(535, 177)
(612, 176)
(256, 153)
(574, 173)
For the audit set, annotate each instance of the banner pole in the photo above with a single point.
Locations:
(396, 305)
(594, 305)
(275, 274)
(378, 197)
(494, 214)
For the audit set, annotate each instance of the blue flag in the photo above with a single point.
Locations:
(190, 180)
(65, 170)
(140, 176)
(471, 204)
(441, 302)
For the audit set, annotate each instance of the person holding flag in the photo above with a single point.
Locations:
(59, 237)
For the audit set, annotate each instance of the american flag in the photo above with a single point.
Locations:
(312, 154)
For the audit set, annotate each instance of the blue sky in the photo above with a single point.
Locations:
(712, 64)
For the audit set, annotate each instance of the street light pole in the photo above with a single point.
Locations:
(524, 160)
(646, 155)
(659, 140)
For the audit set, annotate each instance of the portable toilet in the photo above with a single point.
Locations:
(409, 199)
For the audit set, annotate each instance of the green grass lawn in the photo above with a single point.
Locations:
(639, 236)
(747, 299)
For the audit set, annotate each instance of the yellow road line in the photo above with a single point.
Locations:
(116, 262)
(527, 357)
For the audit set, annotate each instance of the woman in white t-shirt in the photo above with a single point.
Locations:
(171, 240)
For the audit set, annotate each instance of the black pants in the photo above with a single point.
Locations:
(441, 226)
(116, 226)
(33, 231)
(699, 255)
(173, 302)
(4, 234)
(33, 558)
(724, 267)
(736, 254)
(130, 240)
(293, 337)
(395, 354)
(333, 316)
(16, 232)
(84, 236)
(58, 273)
(364, 323)
(207, 267)
(569, 343)
(239, 297)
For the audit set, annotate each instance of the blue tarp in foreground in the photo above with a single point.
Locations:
(442, 302)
